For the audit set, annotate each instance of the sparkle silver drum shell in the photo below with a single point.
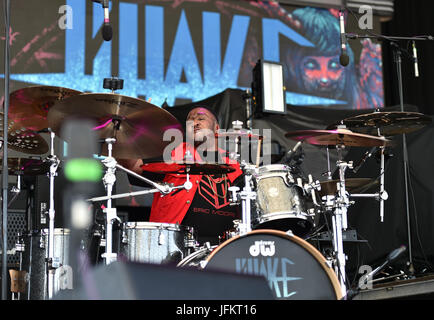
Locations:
(158, 243)
(281, 204)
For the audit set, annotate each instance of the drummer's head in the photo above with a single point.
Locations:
(201, 123)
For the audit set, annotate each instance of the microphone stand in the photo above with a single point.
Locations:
(4, 230)
(398, 51)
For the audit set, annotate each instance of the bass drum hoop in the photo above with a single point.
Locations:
(311, 249)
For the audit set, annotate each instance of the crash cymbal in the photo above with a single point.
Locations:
(329, 187)
(387, 123)
(28, 107)
(27, 166)
(138, 126)
(337, 137)
(22, 139)
(184, 167)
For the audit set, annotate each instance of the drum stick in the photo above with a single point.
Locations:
(258, 153)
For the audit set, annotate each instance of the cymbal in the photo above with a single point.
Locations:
(337, 137)
(388, 123)
(184, 167)
(329, 187)
(23, 139)
(237, 133)
(27, 166)
(28, 107)
(138, 126)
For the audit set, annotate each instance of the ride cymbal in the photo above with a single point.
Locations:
(386, 123)
(138, 126)
(337, 137)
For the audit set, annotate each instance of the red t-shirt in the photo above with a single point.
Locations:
(173, 207)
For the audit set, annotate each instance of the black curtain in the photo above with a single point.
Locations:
(411, 18)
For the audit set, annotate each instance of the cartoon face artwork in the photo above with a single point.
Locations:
(323, 75)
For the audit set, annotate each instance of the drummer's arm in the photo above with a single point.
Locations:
(136, 166)
(132, 164)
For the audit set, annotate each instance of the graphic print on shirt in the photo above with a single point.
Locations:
(214, 190)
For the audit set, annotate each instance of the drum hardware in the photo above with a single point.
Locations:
(393, 123)
(338, 205)
(54, 163)
(237, 133)
(109, 180)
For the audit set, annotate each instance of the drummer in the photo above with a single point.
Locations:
(206, 206)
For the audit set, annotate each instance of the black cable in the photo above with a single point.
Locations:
(415, 218)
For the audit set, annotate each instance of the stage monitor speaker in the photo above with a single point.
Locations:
(139, 281)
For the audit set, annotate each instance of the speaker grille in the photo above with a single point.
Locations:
(17, 223)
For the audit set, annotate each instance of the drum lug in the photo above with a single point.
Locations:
(161, 238)
(124, 234)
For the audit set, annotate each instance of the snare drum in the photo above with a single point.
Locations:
(294, 268)
(281, 204)
(158, 243)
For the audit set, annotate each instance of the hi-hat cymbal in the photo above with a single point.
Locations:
(27, 166)
(337, 137)
(138, 126)
(23, 139)
(28, 107)
(239, 134)
(386, 123)
(329, 187)
(184, 167)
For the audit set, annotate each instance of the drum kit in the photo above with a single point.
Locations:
(279, 209)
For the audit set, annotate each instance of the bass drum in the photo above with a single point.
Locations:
(293, 268)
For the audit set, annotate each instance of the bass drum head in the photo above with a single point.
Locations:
(293, 268)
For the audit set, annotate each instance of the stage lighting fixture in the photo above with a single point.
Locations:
(267, 88)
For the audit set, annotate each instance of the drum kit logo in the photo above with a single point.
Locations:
(265, 248)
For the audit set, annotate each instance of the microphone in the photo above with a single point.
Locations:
(396, 253)
(366, 278)
(416, 66)
(106, 31)
(344, 59)
(291, 153)
(367, 155)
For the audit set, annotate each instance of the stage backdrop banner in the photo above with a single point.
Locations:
(181, 51)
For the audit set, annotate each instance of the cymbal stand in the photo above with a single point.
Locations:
(15, 190)
(398, 52)
(339, 220)
(246, 196)
(51, 264)
(164, 189)
(109, 180)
